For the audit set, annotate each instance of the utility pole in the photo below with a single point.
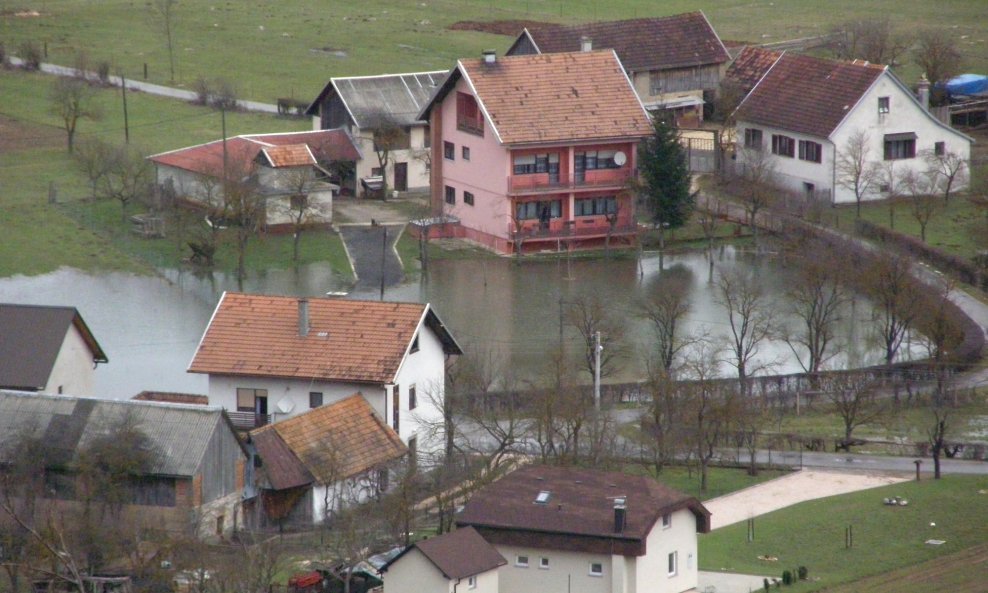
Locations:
(596, 370)
(123, 90)
(384, 249)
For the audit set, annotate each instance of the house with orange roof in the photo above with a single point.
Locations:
(291, 172)
(805, 116)
(536, 152)
(675, 62)
(321, 461)
(270, 358)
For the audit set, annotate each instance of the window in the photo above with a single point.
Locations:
(299, 202)
(468, 115)
(900, 146)
(449, 150)
(315, 399)
(939, 149)
(521, 561)
(466, 153)
(377, 171)
(544, 563)
(810, 151)
(450, 195)
(673, 562)
(468, 198)
(809, 188)
(667, 521)
(536, 163)
(219, 525)
(596, 569)
(395, 408)
(753, 138)
(472, 582)
(541, 210)
(883, 105)
(382, 481)
(411, 398)
(596, 206)
(783, 145)
(595, 159)
(252, 400)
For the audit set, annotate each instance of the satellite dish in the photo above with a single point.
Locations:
(285, 406)
(620, 158)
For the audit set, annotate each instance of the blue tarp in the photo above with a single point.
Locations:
(968, 84)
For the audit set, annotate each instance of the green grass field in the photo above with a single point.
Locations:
(885, 538)
(294, 49)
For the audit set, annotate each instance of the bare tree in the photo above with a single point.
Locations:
(892, 289)
(750, 319)
(940, 424)
(938, 56)
(73, 99)
(667, 308)
(127, 179)
(857, 401)
(873, 40)
(708, 406)
(164, 14)
(757, 184)
(924, 205)
(95, 158)
(387, 135)
(709, 217)
(815, 296)
(855, 171)
(301, 210)
(948, 169)
(588, 315)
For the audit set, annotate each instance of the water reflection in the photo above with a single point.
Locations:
(150, 325)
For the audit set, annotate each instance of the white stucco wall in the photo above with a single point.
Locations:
(652, 568)
(905, 116)
(567, 571)
(414, 573)
(340, 495)
(295, 392)
(73, 372)
(414, 156)
(426, 370)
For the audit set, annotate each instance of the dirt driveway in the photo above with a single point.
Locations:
(788, 490)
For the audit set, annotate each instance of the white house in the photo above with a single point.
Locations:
(805, 113)
(564, 528)
(47, 350)
(450, 563)
(282, 167)
(362, 104)
(274, 357)
(320, 461)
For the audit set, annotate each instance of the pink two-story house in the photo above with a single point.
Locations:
(536, 152)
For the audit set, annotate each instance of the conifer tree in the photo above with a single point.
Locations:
(665, 176)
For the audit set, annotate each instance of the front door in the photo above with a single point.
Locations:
(260, 410)
(401, 176)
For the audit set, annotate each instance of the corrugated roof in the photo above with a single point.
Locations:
(397, 97)
(458, 554)
(807, 95)
(580, 503)
(750, 65)
(332, 442)
(288, 155)
(31, 337)
(241, 151)
(557, 97)
(172, 397)
(348, 340)
(178, 435)
(677, 41)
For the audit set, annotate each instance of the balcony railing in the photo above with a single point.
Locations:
(573, 228)
(546, 182)
(248, 420)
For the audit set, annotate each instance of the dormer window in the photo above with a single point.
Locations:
(883, 105)
(468, 116)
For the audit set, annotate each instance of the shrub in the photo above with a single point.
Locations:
(804, 573)
(30, 52)
(765, 584)
(224, 95)
(786, 577)
(203, 90)
(103, 71)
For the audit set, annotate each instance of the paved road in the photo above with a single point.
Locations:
(365, 244)
(147, 87)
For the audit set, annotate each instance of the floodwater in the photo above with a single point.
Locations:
(149, 326)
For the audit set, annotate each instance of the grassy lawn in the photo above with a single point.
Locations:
(885, 538)
(293, 52)
(962, 572)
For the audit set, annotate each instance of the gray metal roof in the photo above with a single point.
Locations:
(178, 434)
(400, 97)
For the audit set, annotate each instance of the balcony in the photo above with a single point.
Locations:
(581, 228)
(248, 420)
(550, 183)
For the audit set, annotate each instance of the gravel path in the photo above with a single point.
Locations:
(789, 490)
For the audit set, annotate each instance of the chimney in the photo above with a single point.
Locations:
(303, 317)
(619, 515)
(923, 92)
(490, 56)
(586, 44)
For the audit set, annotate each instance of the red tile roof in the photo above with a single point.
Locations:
(750, 65)
(458, 554)
(807, 95)
(332, 442)
(645, 44)
(207, 159)
(557, 97)
(348, 340)
(280, 466)
(579, 511)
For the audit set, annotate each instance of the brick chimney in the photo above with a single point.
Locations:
(619, 515)
(303, 317)
(923, 92)
(586, 44)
